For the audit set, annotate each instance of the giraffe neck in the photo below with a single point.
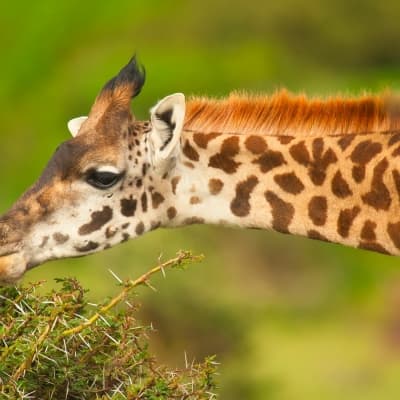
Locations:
(342, 189)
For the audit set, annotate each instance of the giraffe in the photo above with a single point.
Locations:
(325, 169)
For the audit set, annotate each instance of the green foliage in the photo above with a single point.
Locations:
(60, 346)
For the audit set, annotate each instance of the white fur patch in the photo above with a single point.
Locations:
(108, 168)
(74, 125)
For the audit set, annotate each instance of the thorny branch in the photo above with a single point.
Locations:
(53, 346)
(181, 258)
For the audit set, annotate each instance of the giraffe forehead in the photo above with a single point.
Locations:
(74, 156)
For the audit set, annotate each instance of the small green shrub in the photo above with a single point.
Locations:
(59, 346)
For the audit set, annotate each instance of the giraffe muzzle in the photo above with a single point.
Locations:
(12, 267)
(12, 261)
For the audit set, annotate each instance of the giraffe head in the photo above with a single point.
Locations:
(98, 186)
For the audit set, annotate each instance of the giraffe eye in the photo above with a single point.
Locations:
(103, 179)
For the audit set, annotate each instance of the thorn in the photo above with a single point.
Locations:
(84, 341)
(104, 320)
(128, 304)
(147, 283)
(163, 272)
(111, 338)
(115, 275)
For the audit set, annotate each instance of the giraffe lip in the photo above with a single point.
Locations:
(9, 253)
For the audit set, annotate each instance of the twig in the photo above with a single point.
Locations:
(181, 258)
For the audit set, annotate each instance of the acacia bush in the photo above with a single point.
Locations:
(59, 346)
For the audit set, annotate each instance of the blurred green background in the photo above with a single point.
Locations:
(288, 318)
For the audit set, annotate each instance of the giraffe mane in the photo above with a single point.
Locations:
(285, 114)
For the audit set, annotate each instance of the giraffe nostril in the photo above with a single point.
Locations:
(4, 232)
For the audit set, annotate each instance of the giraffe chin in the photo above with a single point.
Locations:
(12, 268)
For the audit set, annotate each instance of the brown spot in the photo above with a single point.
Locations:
(340, 187)
(270, 160)
(139, 228)
(215, 186)
(90, 246)
(224, 159)
(156, 199)
(154, 225)
(394, 233)
(174, 183)
(143, 200)
(365, 151)
(379, 196)
(289, 182)
(126, 225)
(394, 138)
(300, 153)
(145, 168)
(358, 173)
(188, 164)
(396, 152)
(368, 231)
(171, 212)
(317, 210)
(346, 219)
(282, 212)
(396, 178)
(45, 239)
(285, 139)
(373, 246)
(240, 205)
(125, 237)
(193, 220)
(128, 207)
(110, 232)
(202, 139)
(255, 144)
(322, 160)
(195, 200)
(318, 165)
(313, 234)
(345, 141)
(98, 219)
(60, 238)
(190, 152)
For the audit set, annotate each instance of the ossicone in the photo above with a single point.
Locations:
(129, 81)
(112, 106)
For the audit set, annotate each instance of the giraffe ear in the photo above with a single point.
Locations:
(167, 118)
(74, 125)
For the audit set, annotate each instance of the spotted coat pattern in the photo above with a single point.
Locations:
(339, 188)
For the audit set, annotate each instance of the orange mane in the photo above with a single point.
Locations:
(286, 114)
